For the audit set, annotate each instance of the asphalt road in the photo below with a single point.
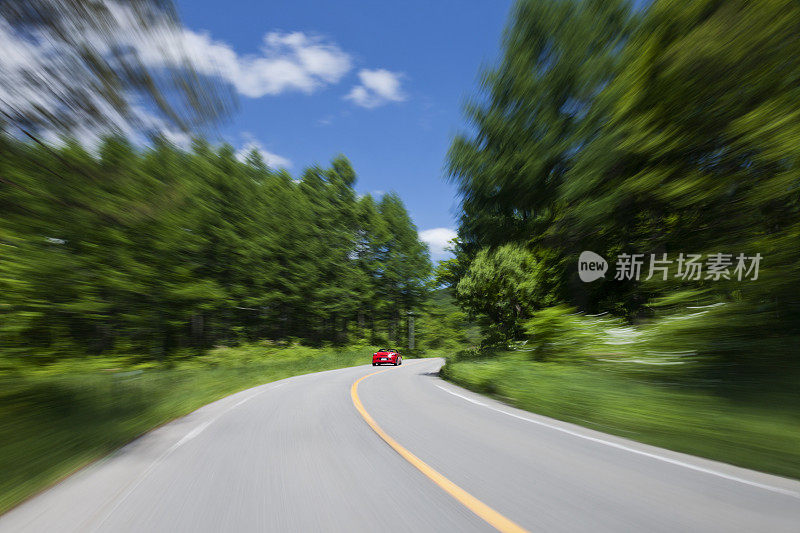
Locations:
(297, 455)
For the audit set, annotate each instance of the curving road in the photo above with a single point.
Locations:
(298, 455)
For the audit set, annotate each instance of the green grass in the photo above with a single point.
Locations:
(56, 419)
(763, 436)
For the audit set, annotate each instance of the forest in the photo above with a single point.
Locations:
(157, 250)
(667, 130)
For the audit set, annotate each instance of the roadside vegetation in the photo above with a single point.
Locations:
(59, 417)
(665, 130)
(625, 380)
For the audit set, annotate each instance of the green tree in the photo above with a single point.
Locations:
(665, 131)
(505, 285)
(405, 266)
(156, 250)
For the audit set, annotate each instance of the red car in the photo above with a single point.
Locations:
(387, 357)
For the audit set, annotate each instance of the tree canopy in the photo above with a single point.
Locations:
(155, 250)
(673, 129)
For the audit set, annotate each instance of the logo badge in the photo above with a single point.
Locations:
(591, 266)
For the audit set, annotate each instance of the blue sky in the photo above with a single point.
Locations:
(381, 82)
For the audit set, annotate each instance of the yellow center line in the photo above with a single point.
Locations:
(492, 517)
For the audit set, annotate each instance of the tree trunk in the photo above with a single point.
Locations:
(197, 330)
(410, 332)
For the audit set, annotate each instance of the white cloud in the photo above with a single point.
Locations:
(327, 120)
(272, 160)
(438, 239)
(377, 87)
(287, 62)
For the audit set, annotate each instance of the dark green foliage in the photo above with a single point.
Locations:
(674, 129)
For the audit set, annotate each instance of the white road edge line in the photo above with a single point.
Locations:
(684, 464)
(186, 438)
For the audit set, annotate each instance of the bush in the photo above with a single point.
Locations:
(557, 333)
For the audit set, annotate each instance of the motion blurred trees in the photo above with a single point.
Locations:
(670, 130)
(82, 66)
(150, 251)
